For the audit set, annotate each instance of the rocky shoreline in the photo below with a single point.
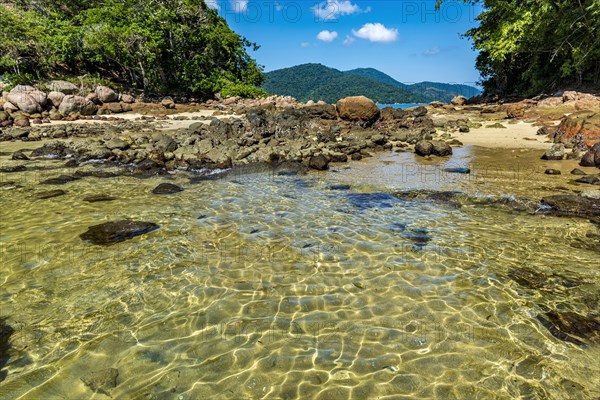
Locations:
(235, 132)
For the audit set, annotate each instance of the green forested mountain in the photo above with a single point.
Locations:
(318, 82)
(532, 46)
(159, 46)
(430, 91)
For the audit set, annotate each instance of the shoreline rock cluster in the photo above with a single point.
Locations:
(313, 135)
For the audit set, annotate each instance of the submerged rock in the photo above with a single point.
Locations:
(98, 197)
(101, 381)
(18, 155)
(116, 231)
(577, 171)
(167, 188)
(457, 170)
(589, 179)
(572, 327)
(572, 205)
(59, 180)
(16, 168)
(50, 194)
(364, 201)
(5, 333)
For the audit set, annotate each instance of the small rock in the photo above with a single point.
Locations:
(458, 170)
(591, 194)
(556, 152)
(50, 194)
(464, 129)
(18, 155)
(550, 171)
(167, 188)
(356, 157)
(116, 231)
(168, 103)
(458, 101)
(577, 171)
(589, 179)
(116, 143)
(101, 381)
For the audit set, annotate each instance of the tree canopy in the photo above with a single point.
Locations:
(155, 45)
(532, 46)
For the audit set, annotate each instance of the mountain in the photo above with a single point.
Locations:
(318, 82)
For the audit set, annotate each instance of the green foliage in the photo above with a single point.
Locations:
(159, 46)
(318, 82)
(243, 90)
(532, 46)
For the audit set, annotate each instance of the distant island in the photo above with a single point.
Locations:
(319, 82)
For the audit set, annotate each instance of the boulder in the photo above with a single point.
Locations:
(437, 104)
(63, 87)
(106, 94)
(588, 159)
(116, 231)
(441, 149)
(77, 104)
(168, 103)
(424, 148)
(358, 109)
(55, 98)
(319, 163)
(433, 147)
(25, 102)
(582, 127)
(127, 99)
(459, 101)
(21, 122)
(22, 88)
(556, 152)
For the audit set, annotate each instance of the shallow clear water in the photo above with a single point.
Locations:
(279, 287)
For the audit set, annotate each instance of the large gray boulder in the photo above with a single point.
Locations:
(77, 104)
(106, 94)
(26, 102)
(63, 87)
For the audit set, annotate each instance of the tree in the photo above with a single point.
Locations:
(532, 46)
(157, 45)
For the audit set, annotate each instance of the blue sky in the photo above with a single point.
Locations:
(407, 39)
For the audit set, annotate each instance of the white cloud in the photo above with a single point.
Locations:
(327, 36)
(432, 51)
(212, 4)
(305, 44)
(348, 41)
(239, 6)
(376, 33)
(332, 9)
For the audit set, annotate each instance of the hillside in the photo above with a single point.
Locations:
(318, 82)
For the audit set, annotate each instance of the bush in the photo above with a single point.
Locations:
(242, 90)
